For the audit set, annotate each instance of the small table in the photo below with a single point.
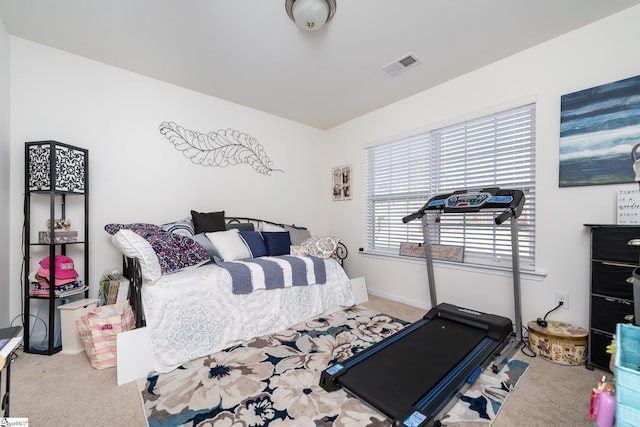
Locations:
(10, 339)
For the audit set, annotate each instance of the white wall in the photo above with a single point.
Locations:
(5, 282)
(596, 54)
(136, 175)
(135, 172)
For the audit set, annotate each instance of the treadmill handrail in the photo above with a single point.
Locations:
(509, 207)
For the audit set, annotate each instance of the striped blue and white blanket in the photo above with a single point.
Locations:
(274, 272)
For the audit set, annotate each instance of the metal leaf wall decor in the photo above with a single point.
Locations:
(221, 148)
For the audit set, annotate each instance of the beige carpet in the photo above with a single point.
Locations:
(63, 390)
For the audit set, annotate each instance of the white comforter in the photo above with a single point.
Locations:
(193, 313)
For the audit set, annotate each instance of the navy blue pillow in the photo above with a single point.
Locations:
(277, 242)
(254, 241)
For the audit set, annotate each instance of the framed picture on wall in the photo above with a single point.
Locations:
(341, 181)
(598, 129)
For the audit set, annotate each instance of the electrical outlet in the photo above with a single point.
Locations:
(562, 296)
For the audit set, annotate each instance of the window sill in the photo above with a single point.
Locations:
(537, 276)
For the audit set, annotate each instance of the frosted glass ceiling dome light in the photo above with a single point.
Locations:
(310, 15)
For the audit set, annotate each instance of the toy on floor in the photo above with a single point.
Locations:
(602, 407)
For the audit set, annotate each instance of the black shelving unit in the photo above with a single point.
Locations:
(614, 255)
(54, 171)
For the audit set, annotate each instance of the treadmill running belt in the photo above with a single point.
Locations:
(381, 380)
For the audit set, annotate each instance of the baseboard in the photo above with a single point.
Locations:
(400, 299)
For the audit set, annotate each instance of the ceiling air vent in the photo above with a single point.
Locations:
(399, 65)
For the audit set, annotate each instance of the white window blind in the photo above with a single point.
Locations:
(497, 150)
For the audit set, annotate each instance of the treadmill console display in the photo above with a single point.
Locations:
(475, 200)
(468, 200)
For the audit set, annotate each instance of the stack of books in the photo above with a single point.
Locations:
(113, 289)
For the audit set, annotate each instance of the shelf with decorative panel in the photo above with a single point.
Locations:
(56, 175)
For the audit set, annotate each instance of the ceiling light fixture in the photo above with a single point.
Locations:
(310, 15)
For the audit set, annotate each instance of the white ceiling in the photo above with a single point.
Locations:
(251, 53)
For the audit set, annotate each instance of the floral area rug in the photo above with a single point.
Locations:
(274, 381)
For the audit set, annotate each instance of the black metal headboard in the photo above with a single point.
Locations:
(131, 267)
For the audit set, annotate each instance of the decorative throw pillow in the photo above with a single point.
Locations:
(159, 252)
(133, 245)
(141, 228)
(277, 242)
(228, 245)
(255, 242)
(183, 227)
(242, 226)
(208, 222)
(176, 252)
(297, 234)
(321, 247)
(204, 241)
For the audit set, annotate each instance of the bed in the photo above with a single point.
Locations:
(184, 282)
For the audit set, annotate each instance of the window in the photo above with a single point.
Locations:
(492, 151)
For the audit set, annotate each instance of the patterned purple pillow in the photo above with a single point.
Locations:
(176, 252)
(140, 228)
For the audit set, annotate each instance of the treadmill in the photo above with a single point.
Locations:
(417, 374)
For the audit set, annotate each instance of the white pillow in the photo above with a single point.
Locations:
(133, 245)
(229, 245)
(321, 247)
